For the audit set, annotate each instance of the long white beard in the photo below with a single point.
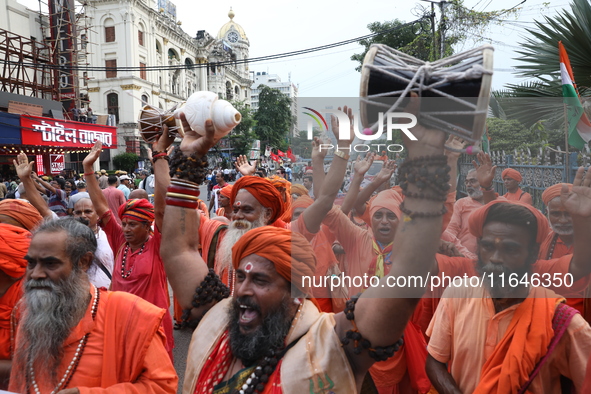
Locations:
(48, 319)
(236, 229)
(565, 230)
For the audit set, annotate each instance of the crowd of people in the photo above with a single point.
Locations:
(253, 267)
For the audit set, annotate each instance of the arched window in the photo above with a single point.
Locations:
(113, 105)
(144, 99)
(158, 47)
(109, 30)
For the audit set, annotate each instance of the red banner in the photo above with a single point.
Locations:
(39, 162)
(57, 133)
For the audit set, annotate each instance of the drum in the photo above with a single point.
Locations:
(454, 91)
(152, 119)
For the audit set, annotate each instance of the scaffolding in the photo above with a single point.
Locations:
(26, 68)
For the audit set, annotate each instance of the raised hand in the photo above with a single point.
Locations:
(454, 142)
(244, 167)
(361, 166)
(193, 142)
(335, 127)
(162, 142)
(485, 171)
(317, 153)
(93, 156)
(429, 141)
(22, 166)
(578, 201)
(386, 172)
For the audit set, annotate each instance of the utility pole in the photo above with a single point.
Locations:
(441, 47)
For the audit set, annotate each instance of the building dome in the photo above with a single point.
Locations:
(231, 24)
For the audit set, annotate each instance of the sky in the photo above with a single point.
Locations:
(284, 26)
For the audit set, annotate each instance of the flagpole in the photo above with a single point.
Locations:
(566, 161)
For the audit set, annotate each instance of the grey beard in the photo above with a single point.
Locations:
(475, 193)
(232, 236)
(496, 286)
(249, 348)
(562, 231)
(48, 319)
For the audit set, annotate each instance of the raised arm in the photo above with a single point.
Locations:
(315, 213)
(383, 176)
(99, 201)
(578, 203)
(485, 173)
(318, 174)
(244, 167)
(382, 312)
(161, 175)
(24, 171)
(46, 185)
(359, 170)
(179, 249)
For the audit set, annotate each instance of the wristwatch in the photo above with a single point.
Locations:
(341, 154)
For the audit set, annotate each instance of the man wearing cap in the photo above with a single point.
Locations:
(103, 180)
(138, 267)
(124, 186)
(512, 178)
(506, 337)
(225, 209)
(263, 339)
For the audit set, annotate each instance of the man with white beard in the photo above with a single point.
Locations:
(72, 337)
(458, 225)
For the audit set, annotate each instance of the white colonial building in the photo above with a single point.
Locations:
(149, 59)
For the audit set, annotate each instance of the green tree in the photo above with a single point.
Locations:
(126, 161)
(242, 136)
(273, 118)
(455, 24)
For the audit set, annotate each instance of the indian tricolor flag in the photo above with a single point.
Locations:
(579, 127)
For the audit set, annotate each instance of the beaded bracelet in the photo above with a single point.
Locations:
(414, 214)
(192, 168)
(160, 156)
(88, 173)
(379, 353)
(210, 289)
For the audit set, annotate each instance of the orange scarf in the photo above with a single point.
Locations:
(523, 345)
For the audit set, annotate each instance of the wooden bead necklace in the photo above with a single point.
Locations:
(124, 260)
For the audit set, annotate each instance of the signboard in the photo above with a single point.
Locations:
(56, 133)
(58, 163)
(39, 163)
(62, 20)
(10, 129)
(15, 107)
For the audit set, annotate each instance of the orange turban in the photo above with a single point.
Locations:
(291, 253)
(265, 193)
(21, 211)
(511, 173)
(226, 191)
(284, 187)
(301, 202)
(137, 209)
(478, 217)
(554, 191)
(388, 199)
(14, 243)
(298, 189)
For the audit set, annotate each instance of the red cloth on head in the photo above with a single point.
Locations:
(301, 202)
(226, 191)
(284, 187)
(478, 218)
(554, 191)
(137, 209)
(265, 193)
(14, 243)
(511, 173)
(21, 211)
(291, 253)
(388, 199)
